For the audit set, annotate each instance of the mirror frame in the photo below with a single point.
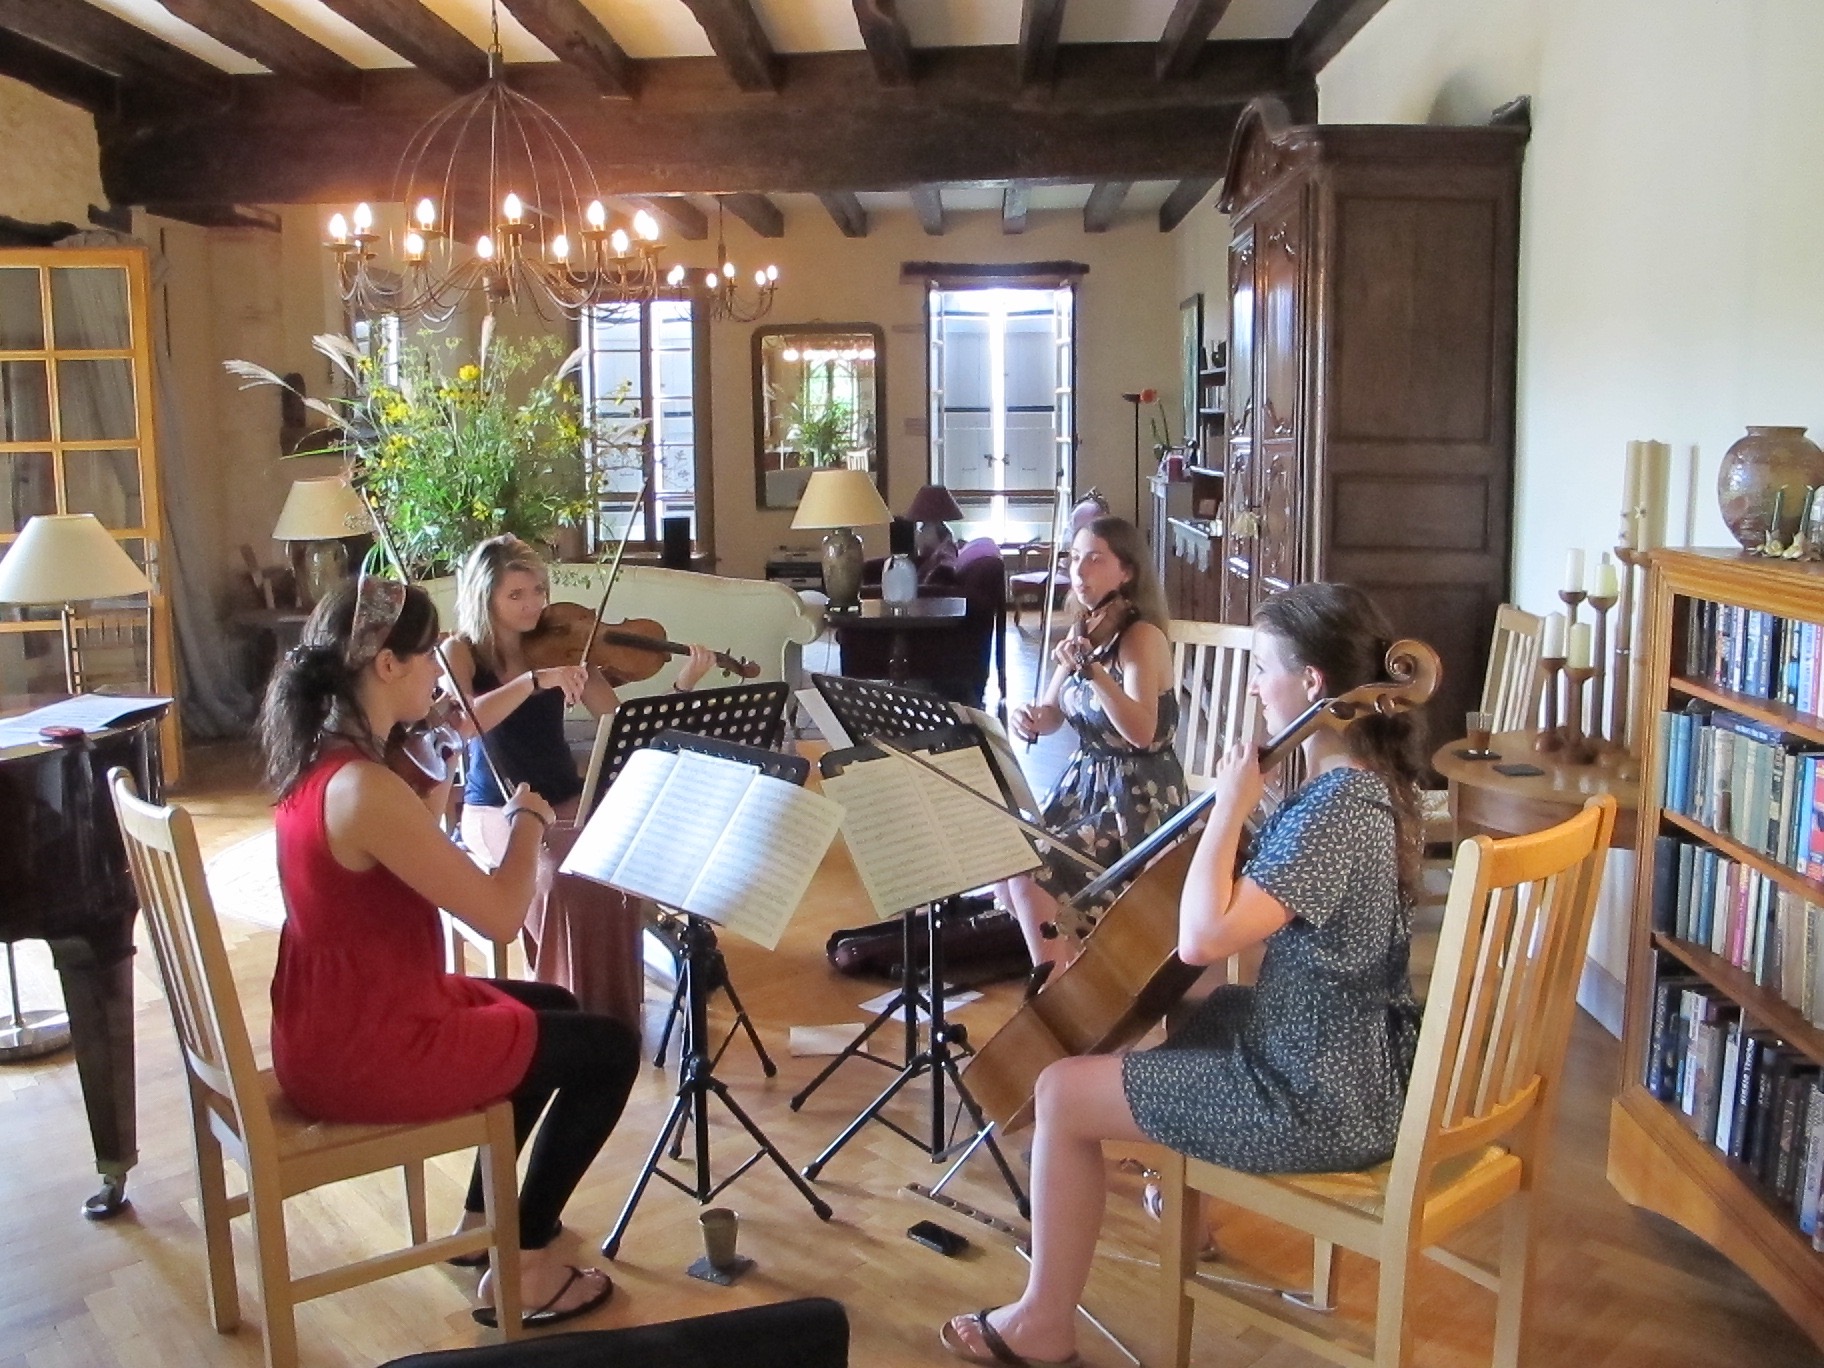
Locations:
(760, 337)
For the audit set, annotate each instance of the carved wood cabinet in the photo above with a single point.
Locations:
(1370, 438)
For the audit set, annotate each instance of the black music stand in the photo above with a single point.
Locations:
(747, 714)
(867, 708)
(697, 1081)
(946, 1042)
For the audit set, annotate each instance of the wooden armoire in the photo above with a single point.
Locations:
(1372, 294)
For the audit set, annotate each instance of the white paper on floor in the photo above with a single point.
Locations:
(951, 1003)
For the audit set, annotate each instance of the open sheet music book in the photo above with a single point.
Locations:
(914, 839)
(710, 836)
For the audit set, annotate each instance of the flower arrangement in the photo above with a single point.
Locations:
(1160, 427)
(450, 456)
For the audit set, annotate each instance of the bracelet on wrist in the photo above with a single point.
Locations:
(543, 825)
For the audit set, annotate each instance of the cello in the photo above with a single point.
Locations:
(1128, 974)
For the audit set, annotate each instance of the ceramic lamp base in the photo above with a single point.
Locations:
(842, 569)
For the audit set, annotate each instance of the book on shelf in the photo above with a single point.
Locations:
(1746, 780)
(1754, 652)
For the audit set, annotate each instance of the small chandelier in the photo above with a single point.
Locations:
(721, 292)
(552, 246)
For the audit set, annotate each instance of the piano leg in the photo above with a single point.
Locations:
(98, 991)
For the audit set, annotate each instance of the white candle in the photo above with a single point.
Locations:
(1573, 570)
(1630, 498)
(1655, 491)
(1552, 648)
(1580, 646)
(1604, 583)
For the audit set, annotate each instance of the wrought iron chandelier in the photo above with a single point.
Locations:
(550, 244)
(722, 294)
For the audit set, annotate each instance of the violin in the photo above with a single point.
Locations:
(1101, 626)
(420, 753)
(1111, 995)
(624, 652)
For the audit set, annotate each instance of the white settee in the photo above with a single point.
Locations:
(754, 619)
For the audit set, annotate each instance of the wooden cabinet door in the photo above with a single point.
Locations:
(1280, 271)
(1235, 574)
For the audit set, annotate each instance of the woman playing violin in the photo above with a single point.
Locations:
(1305, 1071)
(581, 935)
(366, 1024)
(1113, 685)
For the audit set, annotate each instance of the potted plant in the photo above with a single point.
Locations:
(822, 430)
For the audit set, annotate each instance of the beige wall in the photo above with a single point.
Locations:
(1671, 284)
(51, 169)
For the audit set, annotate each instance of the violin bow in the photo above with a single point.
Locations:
(385, 537)
(614, 570)
(1043, 673)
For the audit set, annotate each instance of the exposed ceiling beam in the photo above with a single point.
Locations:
(832, 127)
(1014, 202)
(1103, 204)
(1041, 21)
(98, 39)
(928, 204)
(220, 215)
(884, 35)
(678, 213)
(274, 44)
(1329, 25)
(60, 76)
(571, 30)
(1186, 30)
(757, 212)
(1184, 198)
(846, 209)
(409, 29)
(734, 32)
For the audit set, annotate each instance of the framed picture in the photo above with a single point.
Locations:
(1190, 323)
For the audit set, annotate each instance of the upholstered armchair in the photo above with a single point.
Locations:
(954, 660)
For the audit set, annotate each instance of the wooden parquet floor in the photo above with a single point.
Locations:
(1616, 1288)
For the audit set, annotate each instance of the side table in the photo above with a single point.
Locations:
(1483, 800)
(899, 619)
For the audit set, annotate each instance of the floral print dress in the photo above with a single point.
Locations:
(1112, 794)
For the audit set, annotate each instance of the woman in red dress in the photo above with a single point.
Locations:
(366, 1024)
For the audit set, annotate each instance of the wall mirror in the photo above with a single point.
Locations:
(819, 394)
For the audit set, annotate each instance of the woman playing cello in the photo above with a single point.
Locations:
(1306, 1070)
(582, 935)
(1113, 686)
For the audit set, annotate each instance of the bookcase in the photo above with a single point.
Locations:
(1722, 1041)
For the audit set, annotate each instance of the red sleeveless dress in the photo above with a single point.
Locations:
(366, 1025)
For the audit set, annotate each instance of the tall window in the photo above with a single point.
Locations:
(650, 361)
(1003, 400)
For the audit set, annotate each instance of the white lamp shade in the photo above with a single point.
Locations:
(841, 498)
(321, 510)
(68, 558)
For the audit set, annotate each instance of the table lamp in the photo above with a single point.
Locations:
(841, 500)
(317, 515)
(66, 559)
(931, 508)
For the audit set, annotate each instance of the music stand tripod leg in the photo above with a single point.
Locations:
(906, 1002)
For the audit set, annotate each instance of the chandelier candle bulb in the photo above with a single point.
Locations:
(772, 274)
(513, 208)
(560, 248)
(597, 216)
(426, 214)
(414, 248)
(620, 242)
(338, 230)
(676, 276)
(364, 218)
(728, 270)
(646, 226)
(760, 279)
(484, 247)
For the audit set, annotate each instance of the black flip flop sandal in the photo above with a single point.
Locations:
(545, 1316)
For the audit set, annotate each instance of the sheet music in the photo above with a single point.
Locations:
(681, 829)
(748, 887)
(90, 712)
(1005, 759)
(611, 829)
(985, 848)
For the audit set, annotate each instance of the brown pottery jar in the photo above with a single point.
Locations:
(1766, 461)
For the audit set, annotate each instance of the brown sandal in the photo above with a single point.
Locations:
(998, 1352)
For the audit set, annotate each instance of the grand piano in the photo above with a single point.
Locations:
(64, 879)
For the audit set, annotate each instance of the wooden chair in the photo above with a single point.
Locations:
(1210, 662)
(1476, 1129)
(236, 1108)
(1052, 576)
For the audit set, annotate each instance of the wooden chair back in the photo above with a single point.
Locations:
(1510, 688)
(1210, 662)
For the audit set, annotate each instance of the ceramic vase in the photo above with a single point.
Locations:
(1766, 460)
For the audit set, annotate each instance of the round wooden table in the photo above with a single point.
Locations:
(900, 618)
(1483, 800)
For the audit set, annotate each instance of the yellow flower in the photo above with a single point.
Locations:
(398, 412)
(468, 375)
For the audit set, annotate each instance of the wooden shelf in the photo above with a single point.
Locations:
(1786, 718)
(1762, 1004)
(1785, 876)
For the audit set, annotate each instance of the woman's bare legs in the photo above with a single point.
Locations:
(1080, 1103)
(1034, 909)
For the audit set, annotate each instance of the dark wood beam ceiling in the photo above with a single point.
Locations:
(734, 32)
(1041, 21)
(1186, 30)
(1015, 200)
(757, 212)
(928, 204)
(409, 29)
(884, 35)
(95, 38)
(274, 44)
(846, 209)
(1103, 204)
(220, 215)
(1326, 28)
(1185, 197)
(676, 213)
(832, 127)
(574, 35)
(58, 75)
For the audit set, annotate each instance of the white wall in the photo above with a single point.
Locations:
(1671, 282)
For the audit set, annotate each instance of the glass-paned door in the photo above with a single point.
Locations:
(76, 436)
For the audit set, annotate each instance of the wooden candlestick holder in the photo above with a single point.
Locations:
(1599, 607)
(1621, 720)
(1549, 738)
(1579, 748)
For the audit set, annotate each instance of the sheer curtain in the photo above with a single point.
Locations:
(212, 702)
